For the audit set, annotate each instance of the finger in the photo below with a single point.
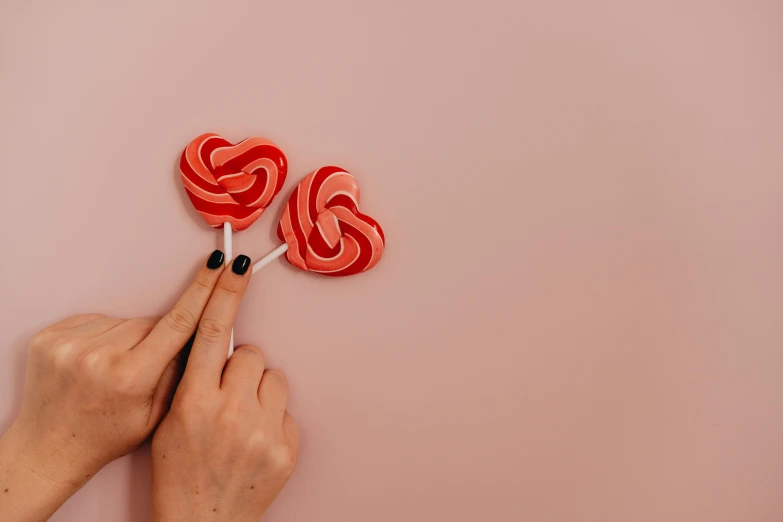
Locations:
(96, 328)
(243, 371)
(127, 335)
(172, 332)
(164, 391)
(273, 394)
(74, 321)
(210, 348)
(291, 431)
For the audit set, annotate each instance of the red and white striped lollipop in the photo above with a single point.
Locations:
(323, 230)
(232, 183)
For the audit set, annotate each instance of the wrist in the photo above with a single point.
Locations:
(51, 456)
(36, 477)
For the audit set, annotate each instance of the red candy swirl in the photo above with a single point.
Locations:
(324, 229)
(232, 183)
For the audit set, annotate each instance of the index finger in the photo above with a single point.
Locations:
(174, 330)
(210, 347)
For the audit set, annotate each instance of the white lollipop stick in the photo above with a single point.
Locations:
(229, 254)
(271, 256)
(227, 247)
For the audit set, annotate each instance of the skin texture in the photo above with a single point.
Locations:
(97, 387)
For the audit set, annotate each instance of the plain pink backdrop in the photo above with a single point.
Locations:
(579, 312)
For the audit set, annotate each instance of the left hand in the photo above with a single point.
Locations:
(96, 388)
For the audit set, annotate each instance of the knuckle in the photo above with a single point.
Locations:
(147, 324)
(92, 363)
(212, 329)
(254, 350)
(181, 320)
(278, 382)
(282, 459)
(40, 341)
(63, 353)
(230, 289)
(203, 281)
(279, 375)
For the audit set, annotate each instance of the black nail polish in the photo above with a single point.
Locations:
(240, 265)
(215, 260)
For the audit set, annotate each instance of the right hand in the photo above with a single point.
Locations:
(228, 445)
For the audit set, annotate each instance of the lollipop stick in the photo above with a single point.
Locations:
(227, 247)
(229, 254)
(271, 256)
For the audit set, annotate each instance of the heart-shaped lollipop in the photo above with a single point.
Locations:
(232, 183)
(323, 230)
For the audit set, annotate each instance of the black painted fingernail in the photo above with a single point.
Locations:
(240, 265)
(215, 260)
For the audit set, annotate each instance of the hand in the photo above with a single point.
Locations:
(96, 388)
(228, 446)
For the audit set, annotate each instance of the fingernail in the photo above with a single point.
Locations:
(240, 265)
(215, 260)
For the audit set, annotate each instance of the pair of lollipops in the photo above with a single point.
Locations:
(321, 227)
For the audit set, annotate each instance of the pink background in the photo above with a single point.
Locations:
(578, 316)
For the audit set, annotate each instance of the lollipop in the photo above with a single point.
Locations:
(231, 185)
(323, 230)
